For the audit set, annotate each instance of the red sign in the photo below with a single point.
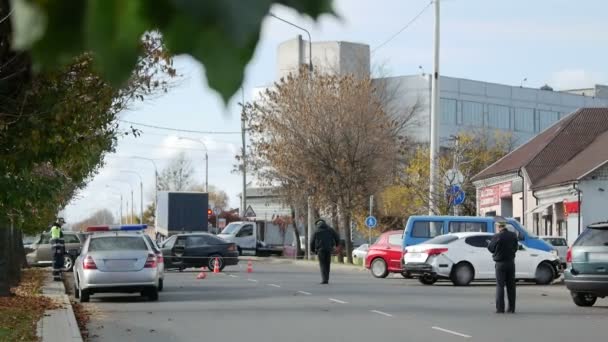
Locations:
(571, 207)
(491, 195)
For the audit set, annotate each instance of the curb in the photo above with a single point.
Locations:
(59, 324)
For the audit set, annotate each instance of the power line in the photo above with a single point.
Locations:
(178, 129)
(403, 28)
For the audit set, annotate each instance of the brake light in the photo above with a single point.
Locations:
(89, 263)
(159, 258)
(151, 261)
(436, 251)
(232, 248)
(569, 255)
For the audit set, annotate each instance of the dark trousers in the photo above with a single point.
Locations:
(505, 276)
(324, 264)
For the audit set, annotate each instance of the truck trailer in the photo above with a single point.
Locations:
(181, 212)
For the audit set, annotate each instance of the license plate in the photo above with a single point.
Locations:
(119, 264)
(598, 257)
(415, 257)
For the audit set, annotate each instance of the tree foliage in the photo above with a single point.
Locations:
(221, 34)
(102, 216)
(177, 176)
(329, 136)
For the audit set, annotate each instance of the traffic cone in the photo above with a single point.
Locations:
(249, 266)
(202, 274)
(216, 266)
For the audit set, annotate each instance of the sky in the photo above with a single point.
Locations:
(562, 43)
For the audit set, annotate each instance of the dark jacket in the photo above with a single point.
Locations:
(324, 239)
(503, 246)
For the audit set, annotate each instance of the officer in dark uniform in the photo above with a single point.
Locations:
(324, 240)
(503, 247)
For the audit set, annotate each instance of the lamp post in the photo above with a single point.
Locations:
(120, 194)
(200, 141)
(131, 187)
(155, 182)
(141, 194)
(303, 29)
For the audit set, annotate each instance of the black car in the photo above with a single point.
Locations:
(198, 249)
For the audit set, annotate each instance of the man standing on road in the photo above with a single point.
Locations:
(503, 247)
(323, 243)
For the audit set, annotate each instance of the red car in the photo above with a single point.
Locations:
(384, 256)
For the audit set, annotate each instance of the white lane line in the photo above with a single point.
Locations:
(252, 280)
(451, 332)
(305, 293)
(233, 276)
(381, 313)
(337, 301)
(274, 285)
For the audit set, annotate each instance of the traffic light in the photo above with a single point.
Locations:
(209, 212)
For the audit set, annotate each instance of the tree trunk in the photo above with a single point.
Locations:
(335, 223)
(4, 246)
(14, 262)
(347, 236)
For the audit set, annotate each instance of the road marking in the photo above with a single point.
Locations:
(274, 285)
(305, 293)
(338, 301)
(451, 332)
(381, 313)
(252, 280)
(233, 276)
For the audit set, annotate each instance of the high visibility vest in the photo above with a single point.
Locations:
(55, 232)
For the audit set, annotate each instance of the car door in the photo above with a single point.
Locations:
(72, 244)
(526, 260)
(179, 251)
(197, 250)
(394, 252)
(166, 248)
(245, 238)
(43, 249)
(475, 250)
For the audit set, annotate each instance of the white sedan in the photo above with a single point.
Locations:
(464, 257)
(361, 251)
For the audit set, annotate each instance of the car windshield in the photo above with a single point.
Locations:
(231, 229)
(441, 240)
(117, 243)
(593, 237)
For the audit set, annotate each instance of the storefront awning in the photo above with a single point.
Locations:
(540, 208)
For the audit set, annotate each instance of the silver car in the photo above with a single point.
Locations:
(560, 245)
(160, 260)
(122, 262)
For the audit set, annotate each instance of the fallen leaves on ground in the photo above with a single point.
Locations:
(82, 318)
(20, 312)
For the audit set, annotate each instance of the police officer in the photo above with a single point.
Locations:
(324, 240)
(56, 232)
(503, 247)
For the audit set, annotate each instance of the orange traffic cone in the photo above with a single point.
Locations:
(249, 266)
(202, 275)
(216, 266)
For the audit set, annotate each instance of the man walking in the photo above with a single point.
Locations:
(323, 243)
(503, 247)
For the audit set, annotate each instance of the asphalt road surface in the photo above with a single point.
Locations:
(284, 302)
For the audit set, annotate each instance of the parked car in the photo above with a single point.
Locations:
(560, 244)
(41, 253)
(120, 262)
(384, 256)
(159, 261)
(464, 257)
(361, 251)
(198, 249)
(587, 273)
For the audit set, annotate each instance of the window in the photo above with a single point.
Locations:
(511, 228)
(70, 238)
(499, 117)
(458, 227)
(557, 242)
(427, 229)
(169, 242)
(472, 113)
(448, 112)
(524, 120)
(45, 239)
(478, 241)
(181, 241)
(593, 237)
(547, 118)
(152, 243)
(442, 240)
(395, 239)
(118, 243)
(245, 231)
(197, 240)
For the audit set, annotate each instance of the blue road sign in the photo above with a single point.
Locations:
(371, 222)
(456, 195)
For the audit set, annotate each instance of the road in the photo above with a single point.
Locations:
(284, 302)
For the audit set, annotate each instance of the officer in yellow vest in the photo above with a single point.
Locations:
(56, 232)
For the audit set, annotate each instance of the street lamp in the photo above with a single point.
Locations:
(130, 186)
(120, 210)
(200, 141)
(303, 29)
(141, 194)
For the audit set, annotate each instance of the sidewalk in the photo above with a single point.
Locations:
(60, 324)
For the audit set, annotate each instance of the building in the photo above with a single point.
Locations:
(557, 182)
(466, 105)
(265, 203)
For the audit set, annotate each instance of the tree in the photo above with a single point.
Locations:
(102, 216)
(177, 176)
(327, 135)
(220, 34)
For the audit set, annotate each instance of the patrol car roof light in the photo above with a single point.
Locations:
(113, 228)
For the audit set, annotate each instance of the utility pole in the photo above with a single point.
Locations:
(434, 116)
(244, 154)
(132, 210)
(371, 212)
(309, 230)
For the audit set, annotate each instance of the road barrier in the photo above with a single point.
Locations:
(202, 274)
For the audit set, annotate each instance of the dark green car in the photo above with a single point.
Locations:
(587, 273)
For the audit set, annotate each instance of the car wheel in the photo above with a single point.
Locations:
(379, 268)
(240, 250)
(583, 299)
(544, 274)
(68, 263)
(211, 262)
(462, 274)
(406, 275)
(427, 279)
(161, 284)
(151, 293)
(84, 296)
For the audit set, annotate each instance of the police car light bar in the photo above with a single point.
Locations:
(111, 228)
